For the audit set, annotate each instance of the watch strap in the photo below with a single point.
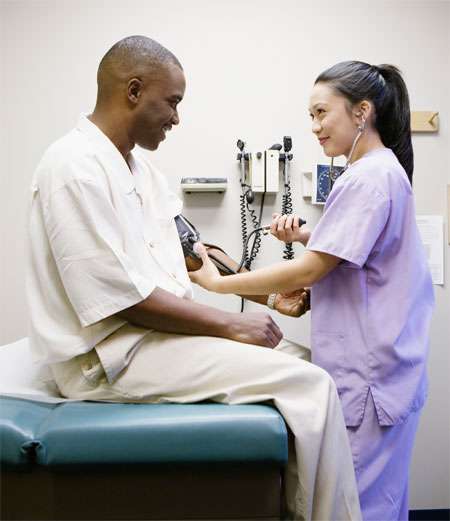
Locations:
(271, 300)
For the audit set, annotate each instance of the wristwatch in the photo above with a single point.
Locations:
(271, 300)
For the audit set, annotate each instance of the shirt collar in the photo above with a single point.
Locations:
(103, 145)
(166, 204)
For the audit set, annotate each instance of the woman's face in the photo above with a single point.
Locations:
(334, 124)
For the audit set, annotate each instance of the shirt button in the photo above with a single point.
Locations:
(174, 275)
(151, 245)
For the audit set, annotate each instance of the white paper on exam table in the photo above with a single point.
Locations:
(20, 377)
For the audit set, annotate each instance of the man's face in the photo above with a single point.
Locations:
(156, 110)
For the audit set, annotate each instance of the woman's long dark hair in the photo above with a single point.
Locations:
(383, 85)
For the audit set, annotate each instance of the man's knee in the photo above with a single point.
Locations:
(324, 376)
(314, 373)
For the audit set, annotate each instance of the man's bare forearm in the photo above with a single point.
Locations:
(166, 312)
(163, 311)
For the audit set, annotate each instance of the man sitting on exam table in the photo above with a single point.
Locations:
(111, 301)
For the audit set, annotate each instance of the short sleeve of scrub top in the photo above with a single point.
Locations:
(86, 238)
(354, 217)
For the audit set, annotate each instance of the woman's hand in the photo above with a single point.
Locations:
(294, 304)
(287, 228)
(208, 275)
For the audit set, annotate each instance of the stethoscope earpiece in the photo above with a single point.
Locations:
(332, 174)
(362, 126)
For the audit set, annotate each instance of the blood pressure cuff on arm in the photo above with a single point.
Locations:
(189, 236)
(294, 305)
(225, 264)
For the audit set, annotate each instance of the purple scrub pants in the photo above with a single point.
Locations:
(381, 457)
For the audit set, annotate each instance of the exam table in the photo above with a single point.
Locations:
(63, 459)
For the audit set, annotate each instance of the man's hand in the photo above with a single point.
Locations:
(286, 228)
(293, 304)
(253, 328)
(163, 311)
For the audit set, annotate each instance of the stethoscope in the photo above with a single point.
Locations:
(333, 174)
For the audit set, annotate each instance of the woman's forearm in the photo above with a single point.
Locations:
(278, 278)
(282, 277)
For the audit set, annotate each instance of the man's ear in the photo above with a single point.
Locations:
(134, 90)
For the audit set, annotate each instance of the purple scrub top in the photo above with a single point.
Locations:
(370, 316)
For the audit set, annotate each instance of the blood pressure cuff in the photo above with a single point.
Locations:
(227, 266)
(189, 236)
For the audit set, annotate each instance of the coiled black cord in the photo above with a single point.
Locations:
(286, 209)
(242, 204)
(287, 200)
(256, 231)
(245, 258)
(256, 223)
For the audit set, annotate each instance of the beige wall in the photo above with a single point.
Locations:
(250, 65)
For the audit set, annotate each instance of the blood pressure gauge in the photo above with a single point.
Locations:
(333, 173)
(326, 177)
(323, 184)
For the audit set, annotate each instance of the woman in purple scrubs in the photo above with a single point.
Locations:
(371, 290)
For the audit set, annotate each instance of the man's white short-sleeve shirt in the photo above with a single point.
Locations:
(102, 237)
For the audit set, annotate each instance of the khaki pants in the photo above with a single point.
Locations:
(320, 480)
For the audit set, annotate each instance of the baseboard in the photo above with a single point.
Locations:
(438, 514)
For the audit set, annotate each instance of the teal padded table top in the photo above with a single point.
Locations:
(78, 433)
(19, 421)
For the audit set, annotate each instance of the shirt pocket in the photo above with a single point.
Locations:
(92, 369)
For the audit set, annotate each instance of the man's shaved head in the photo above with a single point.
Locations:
(140, 85)
(134, 56)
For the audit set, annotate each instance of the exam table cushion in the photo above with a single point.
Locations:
(19, 422)
(80, 433)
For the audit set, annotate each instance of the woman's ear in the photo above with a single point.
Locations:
(362, 113)
(366, 110)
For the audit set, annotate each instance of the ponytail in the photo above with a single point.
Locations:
(384, 86)
(393, 118)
